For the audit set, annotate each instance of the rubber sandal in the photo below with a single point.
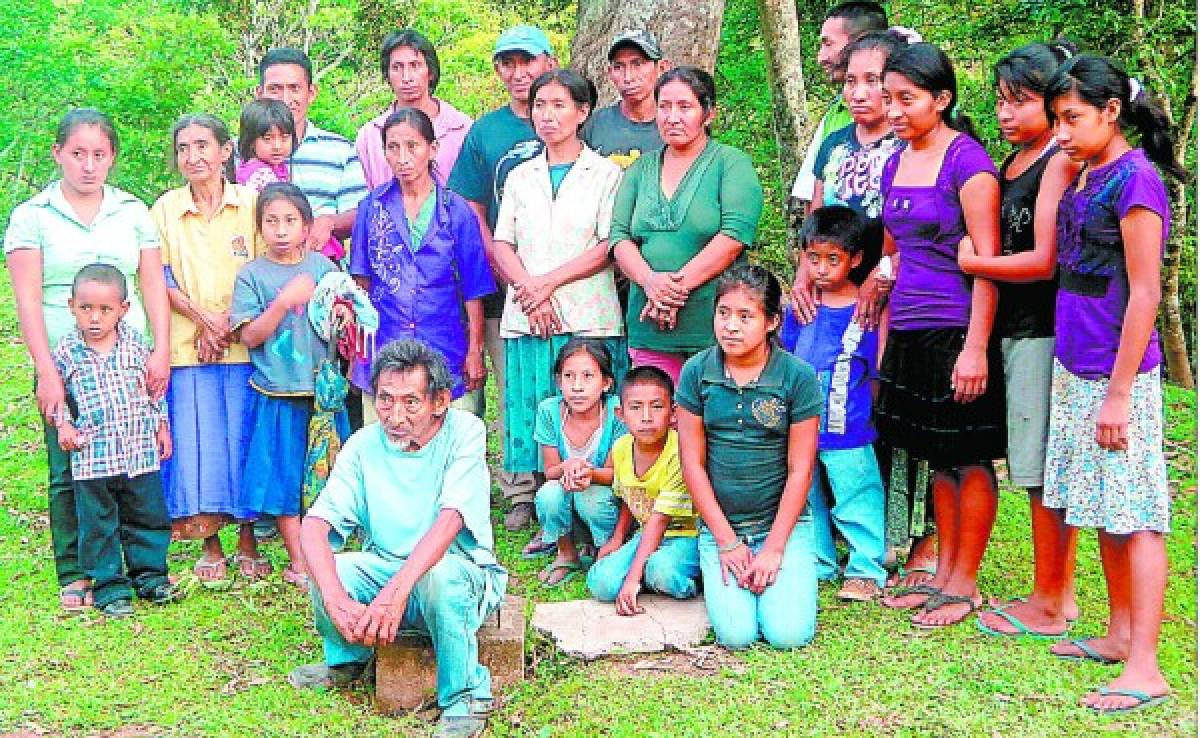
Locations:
(1088, 653)
(1144, 700)
(1022, 628)
(572, 568)
(925, 589)
(75, 598)
(251, 567)
(212, 566)
(542, 548)
(117, 609)
(940, 600)
(293, 577)
(999, 605)
(902, 572)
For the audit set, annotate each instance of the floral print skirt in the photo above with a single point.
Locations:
(1117, 491)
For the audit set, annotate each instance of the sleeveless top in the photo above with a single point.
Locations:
(1026, 309)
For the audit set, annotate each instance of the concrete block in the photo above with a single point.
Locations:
(589, 629)
(406, 670)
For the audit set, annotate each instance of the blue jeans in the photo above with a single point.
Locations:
(858, 512)
(785, 614)
(671, 570)
(596, 507)
(447, 604)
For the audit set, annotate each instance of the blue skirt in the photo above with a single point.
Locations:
(208, 407)
(278, 446)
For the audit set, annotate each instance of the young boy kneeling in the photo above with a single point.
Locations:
(648, 482)
(846, 358)
(116, 439)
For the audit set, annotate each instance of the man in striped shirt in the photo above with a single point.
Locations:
(325, 166)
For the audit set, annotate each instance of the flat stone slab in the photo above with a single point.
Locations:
(589, 629)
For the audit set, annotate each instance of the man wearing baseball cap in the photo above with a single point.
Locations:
(494, 146)
(625, 130)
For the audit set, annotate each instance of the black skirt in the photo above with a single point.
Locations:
(916, 410)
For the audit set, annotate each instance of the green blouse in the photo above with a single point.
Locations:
(720, 193)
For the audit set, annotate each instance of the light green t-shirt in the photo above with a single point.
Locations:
(121, 230)
(419, 225)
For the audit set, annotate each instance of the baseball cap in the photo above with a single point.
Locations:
(530, 39)
(639, 38)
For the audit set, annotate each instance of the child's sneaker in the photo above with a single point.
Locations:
(122, 608)
(859, 590)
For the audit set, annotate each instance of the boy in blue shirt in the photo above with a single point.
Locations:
(846, 359)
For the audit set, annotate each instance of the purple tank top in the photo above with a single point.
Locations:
(927, 225)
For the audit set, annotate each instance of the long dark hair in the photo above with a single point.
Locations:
(1097, 80)
(87, 117)
(581, 90)
(928, 67)
(590, 346)
(258, 118)
(1032, 66)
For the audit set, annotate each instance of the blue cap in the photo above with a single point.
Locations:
(529, 39)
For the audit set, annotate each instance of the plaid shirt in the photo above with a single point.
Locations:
(114, 411)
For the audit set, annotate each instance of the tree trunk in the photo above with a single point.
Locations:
(1174, 338)
(687, 32)
(781, 32)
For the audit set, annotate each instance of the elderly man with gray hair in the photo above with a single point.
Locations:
(415, 487)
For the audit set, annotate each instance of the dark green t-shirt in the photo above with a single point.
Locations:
(495, 145)
(746, 430)
(720, 193)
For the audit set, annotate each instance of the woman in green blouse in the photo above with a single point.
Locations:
(682, 216)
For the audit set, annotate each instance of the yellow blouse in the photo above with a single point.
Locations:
(203, 257)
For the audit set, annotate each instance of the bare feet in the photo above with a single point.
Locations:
(1037, 620)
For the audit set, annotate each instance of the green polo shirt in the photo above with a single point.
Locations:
(720, 193)
(746, 430)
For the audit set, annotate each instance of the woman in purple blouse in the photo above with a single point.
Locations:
(416, 249)
(941, 396)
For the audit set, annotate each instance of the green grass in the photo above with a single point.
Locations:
(215, 665)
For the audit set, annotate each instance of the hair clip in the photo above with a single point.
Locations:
(908, 34)
(1135, 89)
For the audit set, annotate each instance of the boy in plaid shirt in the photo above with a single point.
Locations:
(117, 438)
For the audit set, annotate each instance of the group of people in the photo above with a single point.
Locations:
(675, 419)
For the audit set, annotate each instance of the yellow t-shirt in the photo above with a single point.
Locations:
(204, 257)
(662, 489)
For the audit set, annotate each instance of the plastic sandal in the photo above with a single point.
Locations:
(1022, 628)
(75, 598)
(940, 600)
(251, 567)
(1086, 653)
(1144, 700)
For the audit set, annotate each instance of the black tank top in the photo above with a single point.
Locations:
(1025, 310)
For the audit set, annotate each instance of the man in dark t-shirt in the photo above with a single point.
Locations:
(628, 128)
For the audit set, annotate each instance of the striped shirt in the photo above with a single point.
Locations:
(114, 412)
(326, 168)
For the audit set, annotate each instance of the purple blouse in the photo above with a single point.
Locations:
(927, 225)
(1093, 284)
(420, 289)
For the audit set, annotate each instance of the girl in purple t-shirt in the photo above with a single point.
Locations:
(1104, 458)
(941, 396)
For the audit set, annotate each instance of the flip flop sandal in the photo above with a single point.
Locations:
(902, 572)
(1086, 653)
(293, 577)
(926, 589)
(572, 568)
(1022, 628)
(75, 598)
(1013, 600)
(1144, 700)
(536, 552)
(940, 600)
(252, 568)
(212, 567)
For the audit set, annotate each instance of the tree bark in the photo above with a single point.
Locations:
(785, 71)
(687, 32)
(1174, 337)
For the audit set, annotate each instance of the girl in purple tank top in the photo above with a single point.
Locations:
(941, 382)
(1104, 458)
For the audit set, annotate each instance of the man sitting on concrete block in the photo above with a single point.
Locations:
(415, 486)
